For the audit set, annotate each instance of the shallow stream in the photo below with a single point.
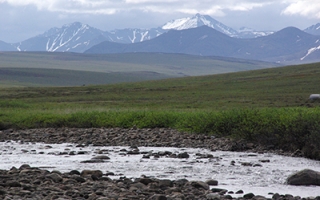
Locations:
(260, 174)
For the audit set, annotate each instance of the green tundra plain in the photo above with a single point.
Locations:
(268, 106)
(74, 69)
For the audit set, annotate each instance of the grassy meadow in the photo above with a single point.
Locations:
(267, 106)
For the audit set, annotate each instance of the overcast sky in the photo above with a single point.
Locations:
(22, 19)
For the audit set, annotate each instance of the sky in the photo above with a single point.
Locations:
(22, 19)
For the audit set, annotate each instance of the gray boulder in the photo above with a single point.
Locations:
(304, 177)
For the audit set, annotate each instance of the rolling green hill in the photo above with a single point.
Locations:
(288, 86)
(53, 69)
(59, 77)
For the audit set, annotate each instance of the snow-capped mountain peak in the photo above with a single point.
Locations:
(177, 24)
(190, 22)
(199, 20)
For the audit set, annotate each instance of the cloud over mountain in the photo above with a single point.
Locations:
(25, 18)
(211, 7)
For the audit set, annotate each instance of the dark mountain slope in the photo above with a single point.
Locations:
(6, 47)
(285, 45)
(196, 41)
(288, 45)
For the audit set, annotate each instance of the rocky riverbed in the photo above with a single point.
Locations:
(136, 147)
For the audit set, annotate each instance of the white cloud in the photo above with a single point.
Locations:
(213, 7)
(70, 6)
(309, 8)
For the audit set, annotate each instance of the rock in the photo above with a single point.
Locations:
(2, 192)
(133, 152)
(248, 164)
(74, 172)
(258, 197)
(227, 197)
(146, 156)
(96, 173)
(158, 197)
(100, 158)
(276, 196)
(200, 184)
(82, 152)
(304, 177)
(55, 177)
(213, 196)
(248, 196)
(204, 156)
(165, 183)
(30, 171)
(93, 161)
(24, 166)
(137, 186)
(219, 190)
(176, 196)
(146, 181)
(13, 184)
(110, 174)
(288, 196)
(180, 182)
(183, 155)
(239, 192)
(76, 178)
(212, 182)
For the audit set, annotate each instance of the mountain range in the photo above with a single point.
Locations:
(199, 35)
(289, 45)
(78, 37)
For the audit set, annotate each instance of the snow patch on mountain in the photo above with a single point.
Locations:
(68, 33)
(177, 24)
(245, 29)
(133, 35)
(310, 51)
(144, 36)
(18, 47)
(75, 37)
(245, 32)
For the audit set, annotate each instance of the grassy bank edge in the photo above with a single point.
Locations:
(289, 129)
